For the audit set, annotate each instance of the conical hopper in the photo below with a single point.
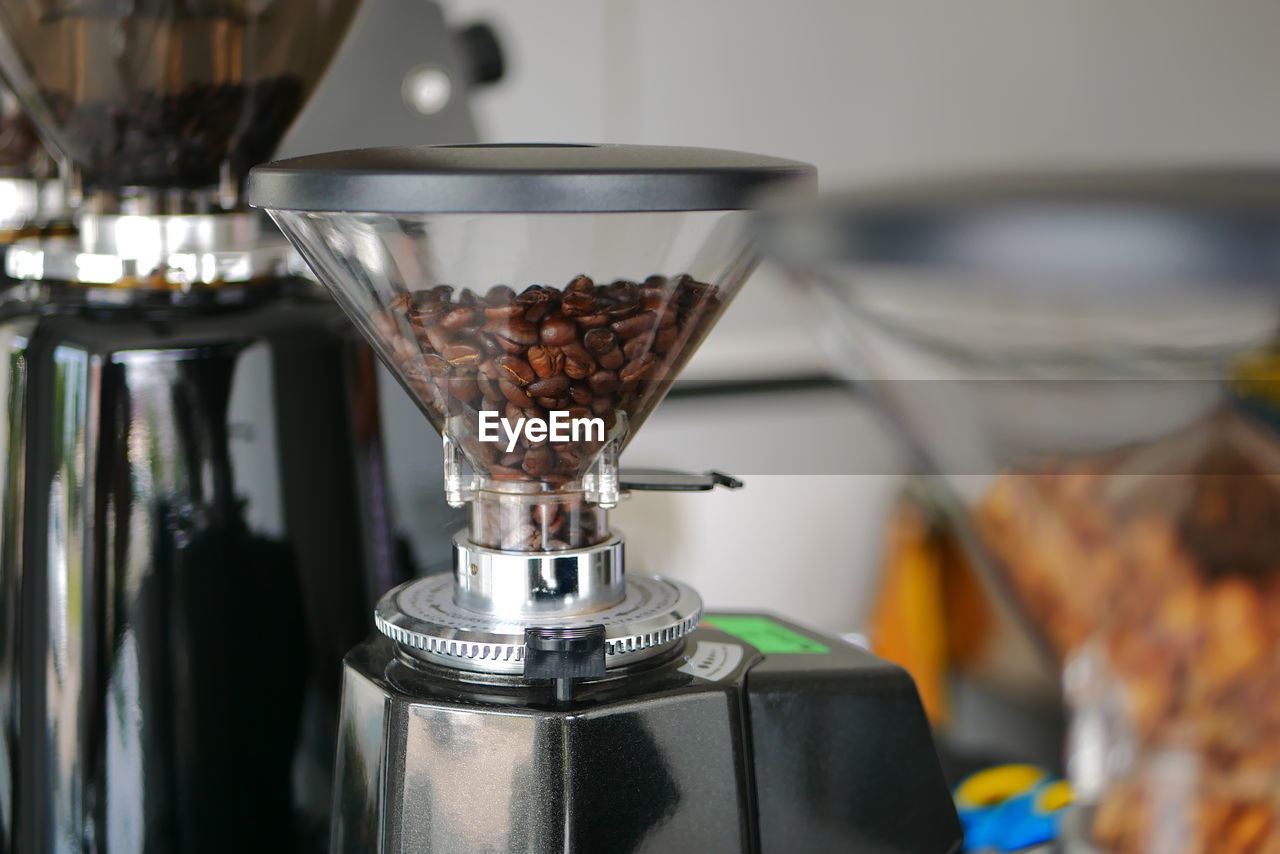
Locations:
(517, 288)
(166, 93)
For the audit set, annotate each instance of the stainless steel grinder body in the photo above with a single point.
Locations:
(713, 747)
(175, 478)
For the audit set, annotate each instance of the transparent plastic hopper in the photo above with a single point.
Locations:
(537, 302)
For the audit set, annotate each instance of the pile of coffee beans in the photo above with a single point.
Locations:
(536, 522)
(606, 351)
(176, 139)
(595, 351)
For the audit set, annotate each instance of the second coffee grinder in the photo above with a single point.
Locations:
(538, 301)
(189, 451)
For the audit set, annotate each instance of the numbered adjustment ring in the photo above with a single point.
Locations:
(422, 617)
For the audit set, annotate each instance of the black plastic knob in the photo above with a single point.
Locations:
(564, 655)
(483, 52)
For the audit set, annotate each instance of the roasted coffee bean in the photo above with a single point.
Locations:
(503, 312)
(400, 303)
(467, 298)
(654, 293)
(638, 346)
(623, 291)
(638, 368)
(422, 297)
(538, 302)
(577, 304)
(509, 347)
(549, 386)
(522, 538)
(602, 404)
(479, 450)
(512, 412)
(593, 321)
(464, 388)
(440, 293)
(612, 360)
(581, 283)
(574, 350)
(514, 329)
(516, 370)
(511, 460)
(460, 355)
(600, 341)
(576, 370)
(546, 361)
(533, 295)
(436, 366)
(665, 339)
(438, 338)
(499, 295)
(488, 387)
(620, 310)
(514, 393)
(580, 394)
(603, 382)
(576, 412)
(635, 324)
(547, 514)
(569, 458)
(557, 331)
(539, 460)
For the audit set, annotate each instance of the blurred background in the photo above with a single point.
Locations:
(869, 92)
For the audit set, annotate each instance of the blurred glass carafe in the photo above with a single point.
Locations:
(190, 450)
(1087, 364)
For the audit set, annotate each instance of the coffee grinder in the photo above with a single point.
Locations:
(190, 450)
(538, 301)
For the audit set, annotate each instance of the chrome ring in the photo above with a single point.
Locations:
(519, 584)
(423, 618)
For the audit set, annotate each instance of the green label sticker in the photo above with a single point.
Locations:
(764, 634)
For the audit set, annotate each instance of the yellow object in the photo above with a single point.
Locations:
(1055, 796)
(1256, 376)
(908, 624)
(999, 784)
